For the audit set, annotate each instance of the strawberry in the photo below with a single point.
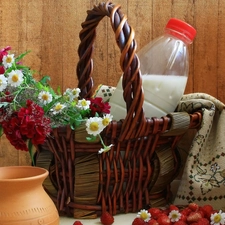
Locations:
(180, 223)
(166, 211)
(155, 212)
(186, 211)
(208, 210)
(106, 218)
(173, 207)
(138, 221)
(164, 220)
(193, 206)
(152, 222)
(77, 223)
(203, 221)
(193, 217)
(183, 217)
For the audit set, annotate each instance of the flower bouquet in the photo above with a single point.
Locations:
(30, 109)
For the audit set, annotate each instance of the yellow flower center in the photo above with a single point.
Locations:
(58, 107)
(74, 92)
(105, 121)
(217, 218)
(94, 126)
(8, 59)
(15, 78)
(83, 103)
(144, 215)
(174, 216)
(1, 82)
(45, 97)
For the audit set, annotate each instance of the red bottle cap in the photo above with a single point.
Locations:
(182, 28)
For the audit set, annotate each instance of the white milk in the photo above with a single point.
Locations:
(162, 93)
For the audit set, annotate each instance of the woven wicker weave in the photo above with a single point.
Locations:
(143, 161)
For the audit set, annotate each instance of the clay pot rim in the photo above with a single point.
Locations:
(27, 173)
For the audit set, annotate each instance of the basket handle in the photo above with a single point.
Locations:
(129, 62)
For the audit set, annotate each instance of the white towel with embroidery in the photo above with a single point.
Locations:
(203, 178)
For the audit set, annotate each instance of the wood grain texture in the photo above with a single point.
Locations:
(50, 28)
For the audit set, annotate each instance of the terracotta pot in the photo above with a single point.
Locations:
(23, 199)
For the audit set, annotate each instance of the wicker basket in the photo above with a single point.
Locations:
(143, 161)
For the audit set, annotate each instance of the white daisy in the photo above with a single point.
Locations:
(72, 93)
(218, 218)
(83, 104)
(105, 149)
(144, 214)
(174, 215)
(15, 78)
(94, 125)
(106, 119)
(45, 97)
(8, 60)
(58, 108)
(3, 82)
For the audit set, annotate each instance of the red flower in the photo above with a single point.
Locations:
(28, 123)
(4, 52)
(11, 129)
(98, 106)
(2, 70)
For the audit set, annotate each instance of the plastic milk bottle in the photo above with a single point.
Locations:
(164, 65)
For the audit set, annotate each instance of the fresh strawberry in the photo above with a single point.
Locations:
(152, 222)
(183, 217)
(203, 221)
(155, 212)
(208, 210)
(193, 206)
(138, 221)
(186, 211)
(201, 212)
(180, 223)
(164, 220)
(193, 217)
(77, 223)
(166, 211)
(106, 218)
(173, 207)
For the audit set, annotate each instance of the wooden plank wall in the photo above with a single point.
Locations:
(50, 28)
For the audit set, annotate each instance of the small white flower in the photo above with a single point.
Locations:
(3, 82)
(106, 119)
(83, 104)
(144, 214)
(45, 97)
(72, 93)
(174, 215)
(218, 218)
(94, 125)
(15, 78)
(58, 108)
(8, 60)
(105, 149)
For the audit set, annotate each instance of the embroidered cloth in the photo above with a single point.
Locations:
(203, 177)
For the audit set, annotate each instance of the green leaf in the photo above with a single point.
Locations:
(21, 56)
(44, 80)
(30, 148)
(91, 138)
(1, 131)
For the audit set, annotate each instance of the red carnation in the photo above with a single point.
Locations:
(28, 123)
(4, 52)
(98, 106)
